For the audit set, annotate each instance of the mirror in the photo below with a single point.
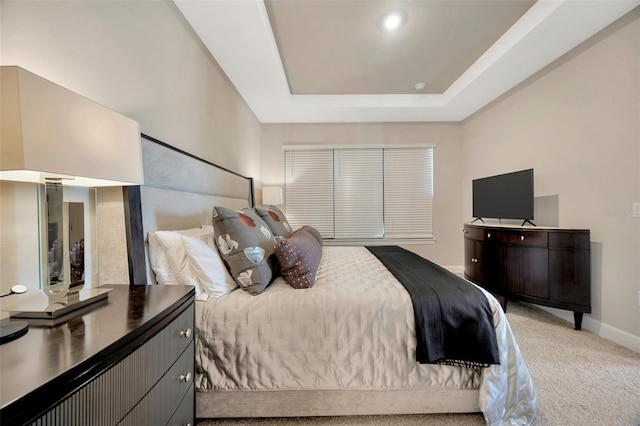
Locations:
(76, 245)
(65, 238)
(54, 278)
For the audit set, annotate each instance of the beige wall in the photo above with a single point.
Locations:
(577, 124)
(447, 216)
(139, 58)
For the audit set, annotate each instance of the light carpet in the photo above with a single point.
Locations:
(582, 379)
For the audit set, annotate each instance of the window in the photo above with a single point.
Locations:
(358, 193)
(361, 193)
(309, 190)
(408, 193)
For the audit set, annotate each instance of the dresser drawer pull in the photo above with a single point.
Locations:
(488, 235)
(185, 333)
(521, 237)
(185, 377)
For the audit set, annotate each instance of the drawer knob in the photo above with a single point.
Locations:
(185, 377)
(488, 235)
(185, 333)
(521, 237)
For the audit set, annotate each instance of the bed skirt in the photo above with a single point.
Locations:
(301, 403)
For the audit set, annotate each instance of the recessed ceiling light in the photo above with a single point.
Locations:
(393, 20)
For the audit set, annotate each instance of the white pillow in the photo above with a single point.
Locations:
(159, 262)
(213, 277)
(169, 261)
(205, 233)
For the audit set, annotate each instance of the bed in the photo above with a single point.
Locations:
(345, 346)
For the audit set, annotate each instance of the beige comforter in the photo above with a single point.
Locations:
(354, 329)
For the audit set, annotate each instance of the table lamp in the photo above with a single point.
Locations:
(56, 138)
(272, 195)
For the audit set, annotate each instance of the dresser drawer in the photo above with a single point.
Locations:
(184, 415)
(176, 336)
(163, 400)
(524, 238)
(477, 234)
(569, 240)
(161, 352)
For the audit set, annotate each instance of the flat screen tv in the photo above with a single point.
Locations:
(506, 196)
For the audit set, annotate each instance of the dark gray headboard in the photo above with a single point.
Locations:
(179, 192)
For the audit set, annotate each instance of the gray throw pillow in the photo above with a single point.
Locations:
(246, 246)
(275, 220)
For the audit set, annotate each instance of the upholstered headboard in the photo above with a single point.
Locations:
(179, 192)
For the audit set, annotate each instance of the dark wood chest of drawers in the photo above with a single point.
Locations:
(544, 266)
(129, 361)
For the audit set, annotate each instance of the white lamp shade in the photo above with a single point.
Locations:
(49, 131)
(272, 195)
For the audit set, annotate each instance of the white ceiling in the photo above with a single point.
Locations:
(341, 47)
(240, 36)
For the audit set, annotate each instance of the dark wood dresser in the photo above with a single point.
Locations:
(544, 266)
(128, 361)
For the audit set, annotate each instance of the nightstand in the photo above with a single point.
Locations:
(129, 361)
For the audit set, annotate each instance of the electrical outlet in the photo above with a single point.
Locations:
(635, 210)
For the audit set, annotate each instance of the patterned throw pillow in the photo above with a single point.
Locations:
(299, 257)
(275, 220)
(246, 245)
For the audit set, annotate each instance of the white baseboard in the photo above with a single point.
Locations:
(603, 330)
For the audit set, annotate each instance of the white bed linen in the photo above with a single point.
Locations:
(354, 329)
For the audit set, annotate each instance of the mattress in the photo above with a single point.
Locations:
(353, 330)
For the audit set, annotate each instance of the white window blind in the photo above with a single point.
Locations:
(358, 193)
(363, 193)
(309, 190)
(408, 193)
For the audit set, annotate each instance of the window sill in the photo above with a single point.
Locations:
(379, 242)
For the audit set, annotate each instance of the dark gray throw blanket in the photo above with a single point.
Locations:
(454, 324)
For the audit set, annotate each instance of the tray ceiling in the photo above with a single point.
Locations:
(332, 61)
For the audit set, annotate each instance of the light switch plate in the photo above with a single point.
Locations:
(635, 211)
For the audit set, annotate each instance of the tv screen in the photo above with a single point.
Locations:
(506, 196)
